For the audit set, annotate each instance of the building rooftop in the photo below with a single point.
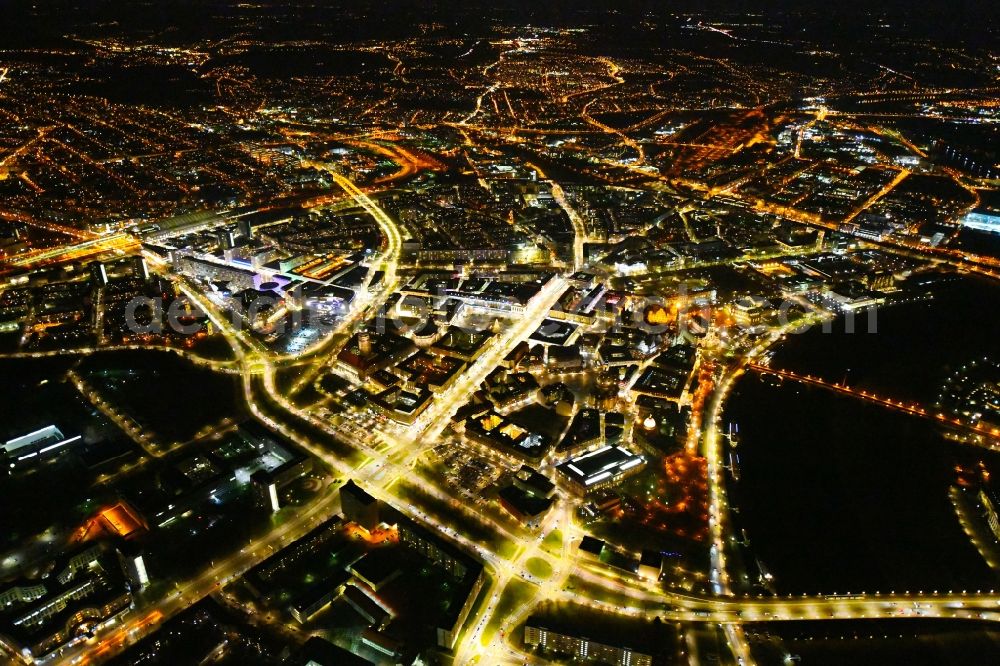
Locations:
(359, 494)
(592, 545)
(320, 652)
(596, 466)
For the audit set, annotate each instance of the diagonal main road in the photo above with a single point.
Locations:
(388, 259)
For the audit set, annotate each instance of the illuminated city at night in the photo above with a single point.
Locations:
(510, 333)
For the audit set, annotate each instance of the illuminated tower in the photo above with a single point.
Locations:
(365, 343)
(98, 274)
(139, 268)
(267, 489)
(226, 238)
(245, 228)
(133, 564)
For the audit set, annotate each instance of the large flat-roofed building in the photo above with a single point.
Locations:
(322, 297)
(261, 579)
(601, 468)
(467, 572)
(237, 278)
(538, 634)
(493, 429)
(42, 436)
(983, 219)
(319, 652)
(400, 404)
(522, 505)
(34, 447)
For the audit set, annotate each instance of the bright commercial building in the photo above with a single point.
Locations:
(599, 469)
(35, 446)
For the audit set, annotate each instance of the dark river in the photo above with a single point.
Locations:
(836, 495)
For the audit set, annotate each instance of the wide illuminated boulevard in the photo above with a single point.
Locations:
(499, 333)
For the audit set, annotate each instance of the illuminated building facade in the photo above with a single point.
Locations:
(538, 635)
